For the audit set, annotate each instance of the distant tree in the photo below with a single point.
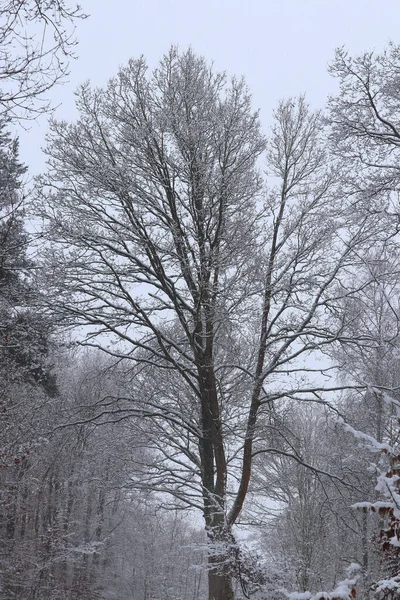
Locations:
(36, 43)
(72, 523)
(295, 478)
(214, 293)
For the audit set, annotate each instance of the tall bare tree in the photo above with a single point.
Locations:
(217, 295)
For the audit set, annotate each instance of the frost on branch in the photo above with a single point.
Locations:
(388, 507)
(37, 40)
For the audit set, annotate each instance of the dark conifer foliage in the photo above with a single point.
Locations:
(24, 332)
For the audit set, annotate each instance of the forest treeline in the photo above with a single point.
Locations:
(199, 324)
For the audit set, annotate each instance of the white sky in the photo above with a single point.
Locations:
(282, 47)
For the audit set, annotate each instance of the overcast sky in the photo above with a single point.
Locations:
(282, 47)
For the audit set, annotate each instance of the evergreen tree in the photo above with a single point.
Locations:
(24, 333)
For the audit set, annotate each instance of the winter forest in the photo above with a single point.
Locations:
(199, 331)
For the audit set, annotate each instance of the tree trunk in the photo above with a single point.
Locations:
(220, 561)
(219, 583)
(214, 489)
